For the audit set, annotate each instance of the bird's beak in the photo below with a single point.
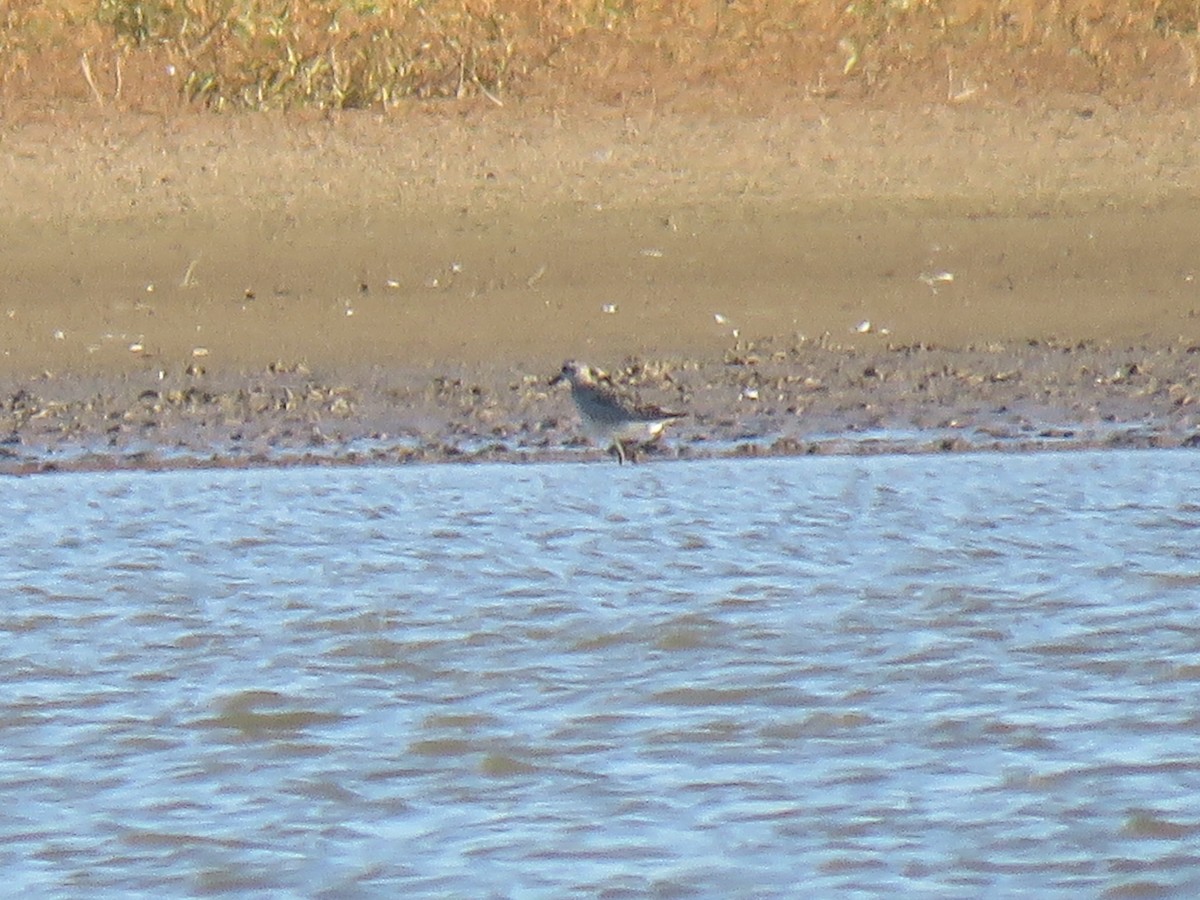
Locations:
(558, 379)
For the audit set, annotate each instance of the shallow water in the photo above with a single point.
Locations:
(904, 675)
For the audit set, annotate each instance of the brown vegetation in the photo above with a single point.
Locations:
(333, 54)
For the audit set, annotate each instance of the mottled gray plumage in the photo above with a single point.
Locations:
(608, 419)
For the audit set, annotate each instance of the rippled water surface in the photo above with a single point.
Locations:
(901, 675)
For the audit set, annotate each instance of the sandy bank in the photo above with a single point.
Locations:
(384, 264)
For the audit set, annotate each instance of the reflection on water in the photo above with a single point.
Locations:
(895, 674)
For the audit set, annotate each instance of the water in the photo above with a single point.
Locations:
(934, 676)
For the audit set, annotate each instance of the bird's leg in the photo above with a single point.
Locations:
(620, 448)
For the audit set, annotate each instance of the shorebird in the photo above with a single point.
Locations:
(608, 419)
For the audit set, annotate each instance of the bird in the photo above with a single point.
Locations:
(609, 419)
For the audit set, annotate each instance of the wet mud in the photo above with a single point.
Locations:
(762, 398)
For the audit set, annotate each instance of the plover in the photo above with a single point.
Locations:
(608, 419)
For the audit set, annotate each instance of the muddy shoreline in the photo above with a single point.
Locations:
(763, 398)
(262, 290)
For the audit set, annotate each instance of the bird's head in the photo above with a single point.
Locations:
(573, 372)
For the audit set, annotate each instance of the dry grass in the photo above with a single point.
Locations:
(356, 54)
